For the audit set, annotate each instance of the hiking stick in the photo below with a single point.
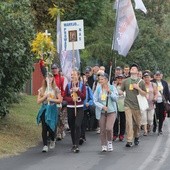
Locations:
(110, 72)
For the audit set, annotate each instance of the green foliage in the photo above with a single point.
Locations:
(151, 48)
(16, 60)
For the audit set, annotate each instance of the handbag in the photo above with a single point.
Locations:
(167, 106)
(143, 102)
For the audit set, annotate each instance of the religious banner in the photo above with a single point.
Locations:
(72, 35)
(66, 61)
(126, 27)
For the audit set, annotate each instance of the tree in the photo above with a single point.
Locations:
(151, 48)
(16, 59)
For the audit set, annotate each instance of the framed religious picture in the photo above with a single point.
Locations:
(72, 36)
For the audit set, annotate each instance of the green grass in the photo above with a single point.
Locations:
(18, 130)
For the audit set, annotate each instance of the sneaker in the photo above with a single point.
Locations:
(45, 148)
(136, 141)
(76, 149)
(160, 132)
(154, 129)
(59, 137)
(121, 137)
(109, 146)
(145, 134)
(63, 135)
(98, 131)
(114, 137)
(73, 147)
(81, 141)
(148, 128)
(104, 148)
(129, 144)
(52, 144)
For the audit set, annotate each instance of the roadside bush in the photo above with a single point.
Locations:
(16, 61)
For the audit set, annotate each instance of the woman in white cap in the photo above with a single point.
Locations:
(48, 95)
(105, 98)
(151, 95)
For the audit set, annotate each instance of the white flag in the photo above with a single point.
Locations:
(126, 28)
(140, 5)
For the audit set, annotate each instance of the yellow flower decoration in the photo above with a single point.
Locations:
(43, 47)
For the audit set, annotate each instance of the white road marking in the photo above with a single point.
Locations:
(155, 149)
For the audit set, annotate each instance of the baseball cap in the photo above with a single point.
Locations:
(118, 68)
(157, 73)
(104, 75)
(120, 76)
(146, 74)
(54, 66)
(134, 65)
(88, 69)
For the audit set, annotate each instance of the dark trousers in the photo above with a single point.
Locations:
(120, 124)
(84, 124)
(159, 111)
(93, 122)
(75, 123)
(45, 130)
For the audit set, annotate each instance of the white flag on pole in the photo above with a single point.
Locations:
(140, 5)
(126, 27)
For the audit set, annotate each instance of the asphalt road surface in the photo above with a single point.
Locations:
(153, 153)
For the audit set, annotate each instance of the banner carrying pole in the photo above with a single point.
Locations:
(110, 72)
(74, 93)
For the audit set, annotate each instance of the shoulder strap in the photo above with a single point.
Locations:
(81, 86)
(139, 81)
(88, 93)
(69, 86)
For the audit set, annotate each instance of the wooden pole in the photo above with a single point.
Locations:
(73, 66)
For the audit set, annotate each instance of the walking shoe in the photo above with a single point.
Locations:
(154, 129)
(145, 134)
(136, 141)
(160, 132)
(129, 144)
(81, 141)
(104, 148)
(59, 137)
(52, 144)
(121, 137)
(63, 134)
(98, 131)
(73, 147)
(109, 146)
(45, 148)
(148, 128)
(76, 149)
(114, 137)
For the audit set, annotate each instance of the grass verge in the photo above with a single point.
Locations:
(18, 130)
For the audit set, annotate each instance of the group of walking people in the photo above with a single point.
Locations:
(95, 100)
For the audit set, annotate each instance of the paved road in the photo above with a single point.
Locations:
(153, 153)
